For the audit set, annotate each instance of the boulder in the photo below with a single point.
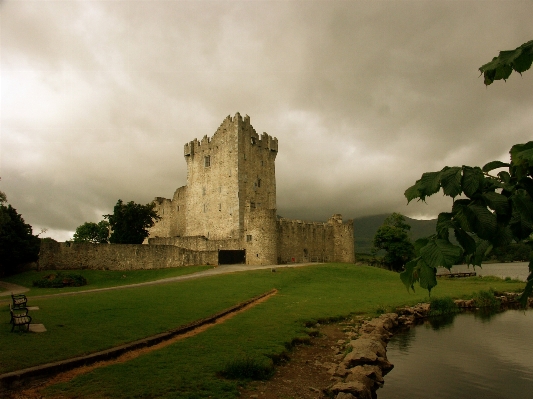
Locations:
(356, 388)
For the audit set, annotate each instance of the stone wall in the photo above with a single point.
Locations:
(300, 241)
(197, 243)
(55, 255)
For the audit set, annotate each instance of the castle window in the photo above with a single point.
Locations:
(219, 207)
(258, 182)
(207, 161)
(261, 163)
(252, 205)
(253, 140)
(178, 208)
(248, 238)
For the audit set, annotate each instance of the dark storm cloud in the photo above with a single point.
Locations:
(98, 98)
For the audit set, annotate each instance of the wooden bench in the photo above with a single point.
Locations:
(19, 318)
(19, 301)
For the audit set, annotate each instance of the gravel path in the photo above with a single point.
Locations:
(222, 269)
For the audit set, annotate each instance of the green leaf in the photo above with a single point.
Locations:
(428, 276)
(500, 67)
(414, 192)
(483, 248)
(440, 252)
(430, 182)
(504, 176)
(461, 214)
(528, 290)
(444, 223)
(472, 181)
(497, 202)
(465, 240)
(451, 181)
(410, 275)
(494, 165)
(421, 243)
(484, 222)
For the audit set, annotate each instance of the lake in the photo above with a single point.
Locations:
(515, 270)
(463, 356)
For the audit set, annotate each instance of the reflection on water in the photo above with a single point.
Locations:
(478, 355)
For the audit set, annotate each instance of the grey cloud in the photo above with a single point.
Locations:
(99, 97)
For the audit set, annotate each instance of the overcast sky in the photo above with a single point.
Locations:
(99, 97)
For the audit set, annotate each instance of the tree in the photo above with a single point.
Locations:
(496, 209)
(95, 233)
(392, 237)
(17, 243)
(129, 222)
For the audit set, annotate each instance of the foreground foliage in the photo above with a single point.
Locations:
(18, 245)
(493, 210)
(501, 67)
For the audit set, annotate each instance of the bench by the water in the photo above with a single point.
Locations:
(453, 275)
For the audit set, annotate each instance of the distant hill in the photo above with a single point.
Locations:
(365, 229)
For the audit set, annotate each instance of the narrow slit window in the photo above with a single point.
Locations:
(207, 161)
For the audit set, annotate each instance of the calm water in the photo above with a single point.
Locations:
(518, 270)
(463, 356)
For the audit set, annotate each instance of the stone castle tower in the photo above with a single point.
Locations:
(229, 205)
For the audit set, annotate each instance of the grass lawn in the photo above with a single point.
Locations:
(99, 278)
(188, 368)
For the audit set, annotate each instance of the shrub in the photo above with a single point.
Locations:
(248, 368)
(440, 306)
(60, 280)
(486, 299)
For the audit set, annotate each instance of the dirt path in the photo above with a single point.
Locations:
(306, 375)
(223, 269)
(12, 289)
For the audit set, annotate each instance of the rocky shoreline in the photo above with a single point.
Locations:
(363, 356)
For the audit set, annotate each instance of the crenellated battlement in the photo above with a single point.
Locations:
(239, 126)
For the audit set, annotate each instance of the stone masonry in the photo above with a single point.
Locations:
(229, 205)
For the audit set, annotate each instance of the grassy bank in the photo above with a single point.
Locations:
(189, 368)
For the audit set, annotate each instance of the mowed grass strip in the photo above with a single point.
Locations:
(82, 324)
(190, 368)
(99, 278)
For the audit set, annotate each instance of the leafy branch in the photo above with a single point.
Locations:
(492, 211)
(501, 67)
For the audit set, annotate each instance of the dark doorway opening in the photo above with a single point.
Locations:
(231, 257)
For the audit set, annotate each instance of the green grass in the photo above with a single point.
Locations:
(190, 368)
(100, 278)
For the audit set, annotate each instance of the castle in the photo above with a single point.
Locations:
(229, 206)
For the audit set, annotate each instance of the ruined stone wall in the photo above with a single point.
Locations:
(343, 249)
(261, 238)
(173, 215)
(197, 243)
(300, 241)
(60, 256)
(304, 241)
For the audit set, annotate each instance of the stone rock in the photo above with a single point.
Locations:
(344, 395)
(370, 371)
(341, 371)
(356, 388)
(365, 350)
